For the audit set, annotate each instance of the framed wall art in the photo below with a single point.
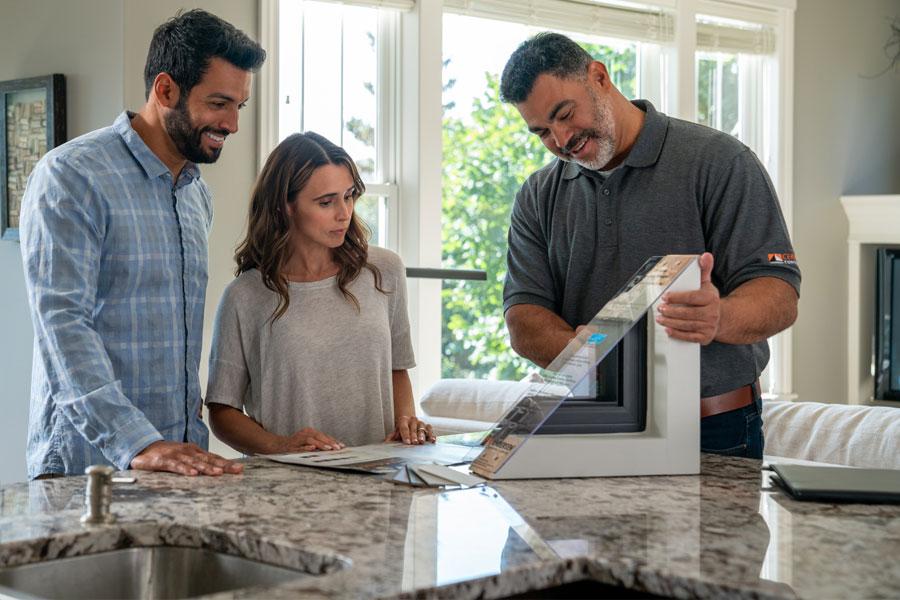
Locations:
(32, 121)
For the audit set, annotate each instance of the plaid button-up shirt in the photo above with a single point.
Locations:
(115, 259)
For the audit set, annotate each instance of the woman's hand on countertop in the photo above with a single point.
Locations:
(307, 440)
(411, 430)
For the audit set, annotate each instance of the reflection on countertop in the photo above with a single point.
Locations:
(711, 535)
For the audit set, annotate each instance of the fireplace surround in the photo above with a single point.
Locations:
(874, 222)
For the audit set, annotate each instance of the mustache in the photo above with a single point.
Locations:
(576, 140)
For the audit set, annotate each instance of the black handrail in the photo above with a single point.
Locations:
(470, 274)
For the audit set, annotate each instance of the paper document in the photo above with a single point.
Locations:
(433, 475)
(376, 458)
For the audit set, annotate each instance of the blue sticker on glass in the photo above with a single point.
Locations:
(596, 338)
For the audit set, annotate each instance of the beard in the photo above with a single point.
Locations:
(189, 139)
(603, 133)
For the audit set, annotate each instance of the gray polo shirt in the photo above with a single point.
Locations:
(575, 237)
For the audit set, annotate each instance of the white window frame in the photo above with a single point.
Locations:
(384, 182)
(415, 110)
(780, 15)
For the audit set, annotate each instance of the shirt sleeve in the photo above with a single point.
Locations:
(529, 279)
(744, 227)
(402, 355)
(61, 243)
(229, 377)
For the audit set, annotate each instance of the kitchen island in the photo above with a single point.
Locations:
(719, 534)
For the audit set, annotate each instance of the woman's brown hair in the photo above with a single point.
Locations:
(267, 246)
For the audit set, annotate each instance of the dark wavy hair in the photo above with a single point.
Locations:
(267, 246)
(184, 45)
(547, 52)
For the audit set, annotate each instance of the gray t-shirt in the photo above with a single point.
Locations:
(576, 237)
(323, 364)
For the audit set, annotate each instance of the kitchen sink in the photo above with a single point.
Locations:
(151, 572)
(583, 589)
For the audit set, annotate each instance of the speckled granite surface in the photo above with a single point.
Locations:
(713, 535)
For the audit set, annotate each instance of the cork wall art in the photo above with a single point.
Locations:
(32, 121)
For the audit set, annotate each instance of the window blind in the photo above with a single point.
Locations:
(578, 16)
(731, 39)
(402, 5)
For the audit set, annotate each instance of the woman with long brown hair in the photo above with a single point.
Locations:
(312, 337)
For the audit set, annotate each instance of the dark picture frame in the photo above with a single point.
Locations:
(32, 122)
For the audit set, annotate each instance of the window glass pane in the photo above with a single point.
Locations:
(359, 87)
(730, 91)
(328, 75)
(718, 92)
(322, 68)
(706, 91)
(487, 155)
(372, 210)
(328, 81)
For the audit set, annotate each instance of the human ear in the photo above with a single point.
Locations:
(166, 91)
(598, 74)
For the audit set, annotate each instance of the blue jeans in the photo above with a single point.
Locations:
(734, 433)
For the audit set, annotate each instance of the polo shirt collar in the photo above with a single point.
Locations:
(150, 163)
(647, 146)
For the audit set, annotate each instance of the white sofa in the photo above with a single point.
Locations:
(858, 436)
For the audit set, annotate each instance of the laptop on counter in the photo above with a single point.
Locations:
(837, 484)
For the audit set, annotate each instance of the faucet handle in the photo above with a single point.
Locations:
(98, 495)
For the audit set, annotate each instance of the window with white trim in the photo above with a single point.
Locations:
(737, 89)
(376, 77)
(335, 78)
(736, 83)
(488, 152)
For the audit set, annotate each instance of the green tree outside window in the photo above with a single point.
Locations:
(486, 159)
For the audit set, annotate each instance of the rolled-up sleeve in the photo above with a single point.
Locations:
(62, 231)
(402, 355)
(229, 378)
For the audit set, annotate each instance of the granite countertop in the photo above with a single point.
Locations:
(713, 535)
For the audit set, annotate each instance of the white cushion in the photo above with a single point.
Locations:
(451, 426)
(857, 436)
(472, 399)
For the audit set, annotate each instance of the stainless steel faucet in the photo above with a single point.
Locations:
(98, 494)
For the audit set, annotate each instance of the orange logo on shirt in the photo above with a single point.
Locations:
(787, 258)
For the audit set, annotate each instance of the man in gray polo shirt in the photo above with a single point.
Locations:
(630, 183)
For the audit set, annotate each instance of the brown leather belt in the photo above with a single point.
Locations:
(733, 400)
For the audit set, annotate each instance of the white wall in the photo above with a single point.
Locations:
(101, 46)
(82, 40)
(846, 141)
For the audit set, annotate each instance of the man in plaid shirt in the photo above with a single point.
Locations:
(114, 234)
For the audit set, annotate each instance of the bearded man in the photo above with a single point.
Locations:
(114, 232)
(630, 183)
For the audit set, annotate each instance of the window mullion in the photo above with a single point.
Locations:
(341, 118)
(685, 72)
(385, 99)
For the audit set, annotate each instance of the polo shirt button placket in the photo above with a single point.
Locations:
(608, 221)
